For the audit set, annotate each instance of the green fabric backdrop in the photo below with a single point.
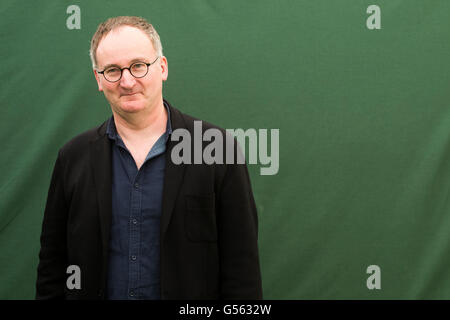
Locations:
(364, 119)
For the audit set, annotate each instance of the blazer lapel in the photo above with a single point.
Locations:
(100, 154)
(173, 176)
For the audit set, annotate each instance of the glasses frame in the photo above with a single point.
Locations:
(129, 69)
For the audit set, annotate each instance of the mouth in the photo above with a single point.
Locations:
(130, 97)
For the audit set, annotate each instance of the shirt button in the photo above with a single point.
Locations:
(134, 221)
(133, 258)
(131, 293)
(136, 185)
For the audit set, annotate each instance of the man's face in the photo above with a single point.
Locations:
(122, 47)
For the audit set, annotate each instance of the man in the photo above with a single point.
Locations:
(134, 223)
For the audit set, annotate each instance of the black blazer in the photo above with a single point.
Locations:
(208, 224)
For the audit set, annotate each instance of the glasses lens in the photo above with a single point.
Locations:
(139, 69)
(112, 74)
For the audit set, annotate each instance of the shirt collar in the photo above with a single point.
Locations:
(112, 133)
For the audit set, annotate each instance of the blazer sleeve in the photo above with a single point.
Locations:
(51, 271)
(240, 275)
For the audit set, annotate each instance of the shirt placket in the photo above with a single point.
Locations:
(135, 238)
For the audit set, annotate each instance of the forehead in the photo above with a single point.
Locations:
(122, 45)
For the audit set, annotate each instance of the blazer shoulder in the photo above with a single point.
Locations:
(190, 123)
(184, 121)
(81, 142)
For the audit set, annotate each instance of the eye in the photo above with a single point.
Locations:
(139, 66)
(112, 71)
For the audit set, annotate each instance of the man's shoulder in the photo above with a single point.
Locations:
(190, 122)
(80, 142)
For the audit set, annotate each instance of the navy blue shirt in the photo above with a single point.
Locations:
(134, 248)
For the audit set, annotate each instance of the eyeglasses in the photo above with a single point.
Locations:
(137, 69)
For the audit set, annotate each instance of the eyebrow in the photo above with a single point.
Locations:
(142, 59)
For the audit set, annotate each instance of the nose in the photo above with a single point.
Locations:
(127, 80)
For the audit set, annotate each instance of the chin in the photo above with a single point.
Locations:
(132, 106)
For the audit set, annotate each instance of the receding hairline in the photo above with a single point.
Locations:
(117, 30)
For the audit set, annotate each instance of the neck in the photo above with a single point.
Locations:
(141, 125)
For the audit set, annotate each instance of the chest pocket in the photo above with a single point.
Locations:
(200, 218)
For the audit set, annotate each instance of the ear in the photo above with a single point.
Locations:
(164, 68)
(97, 77)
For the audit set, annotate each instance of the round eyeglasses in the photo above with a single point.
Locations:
(137, 69)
